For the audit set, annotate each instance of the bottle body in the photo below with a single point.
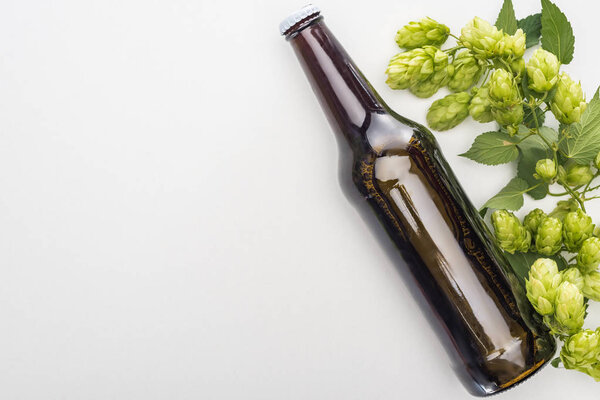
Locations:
(399, 175)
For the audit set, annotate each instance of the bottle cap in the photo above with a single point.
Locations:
(293, 19)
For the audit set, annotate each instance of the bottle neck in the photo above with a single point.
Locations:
(344, 93)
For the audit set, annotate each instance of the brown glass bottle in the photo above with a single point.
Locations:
(394, 168)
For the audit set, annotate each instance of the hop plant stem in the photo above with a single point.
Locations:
(573, 194)
(552, 147)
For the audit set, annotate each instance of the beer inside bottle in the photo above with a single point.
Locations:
(393, 169)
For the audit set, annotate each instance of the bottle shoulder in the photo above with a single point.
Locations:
(389, 132)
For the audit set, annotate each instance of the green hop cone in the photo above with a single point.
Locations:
(564, 207)
(480, 107)
(399, 71)
(588, 257)
(422, 70)
(511, 46)
(581, 351)
(574, 276)
(510, 117)
(503, 89)
(481, 37)
(533, 220)
(449, 111)
(541, 285)
(591, 285)
(569, 102)
(569, 309)
(545, 169)
(578, 175)
(467, 71)
(511, 235)
(432, 75)
(507, 107)
(594, 371)
(577, 227)
(542, 71)
(430, 71)
(422, 33)
(548, 239)
(518, 66)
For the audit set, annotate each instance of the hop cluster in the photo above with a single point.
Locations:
(516, 94)
(481, 48)
(547, 235)
(555, 297)
(559, 296)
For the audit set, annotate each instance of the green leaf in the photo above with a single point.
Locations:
(510, 197)
(493, 148)
(521, 263)
(483, 212)
(525, 86)
(506, 19)
(556, 362)
(582, 142)
(532, 26)
(533, 149)
(550, 95)
(560, 261)
(547, 133)
(557, 33)
(529, 120)
(562, 128)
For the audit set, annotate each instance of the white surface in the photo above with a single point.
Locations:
(171, 226)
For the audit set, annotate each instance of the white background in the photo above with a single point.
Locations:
(171, 226)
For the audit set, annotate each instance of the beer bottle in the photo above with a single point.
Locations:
(395, 169)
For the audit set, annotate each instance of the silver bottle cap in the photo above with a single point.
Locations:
(298, 16)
